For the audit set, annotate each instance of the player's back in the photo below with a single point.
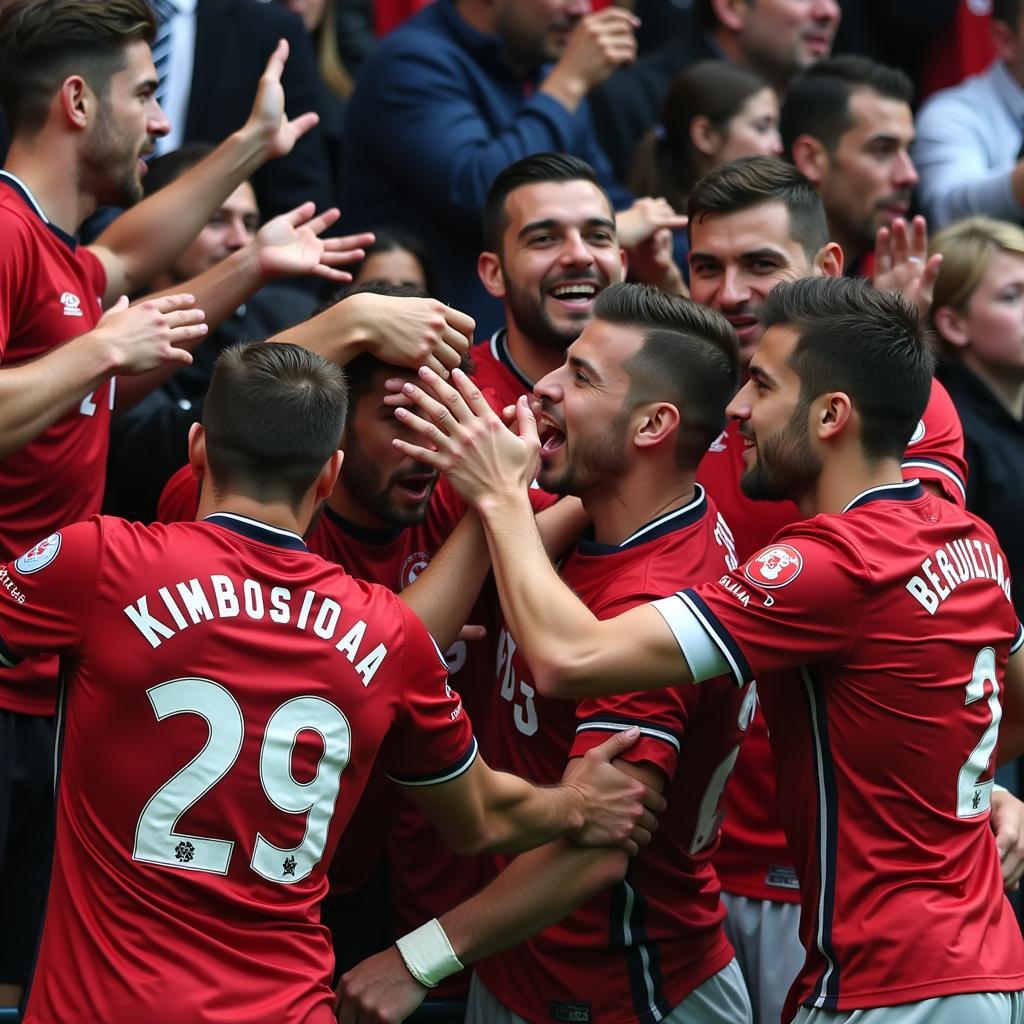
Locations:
(899, 611)
(634, 951)
(226, 700)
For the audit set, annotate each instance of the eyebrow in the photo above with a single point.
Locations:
(581, 364)
(148, 85)
(751, 255)
(761, 375)
(551, 222)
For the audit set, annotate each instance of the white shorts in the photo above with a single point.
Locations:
(970, 1008)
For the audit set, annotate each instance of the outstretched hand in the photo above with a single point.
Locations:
(290, 246)
(902, 263)
(267, 119)
(466, 440)
(149, 334)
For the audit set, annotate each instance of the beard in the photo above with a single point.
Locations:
(365, 482)
(110, 168)
(528, 311)
(589, 462)
(785, 465)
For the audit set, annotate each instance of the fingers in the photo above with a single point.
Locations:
(526, 421)
(462, 322)
(277, 60)
(324, 221)
(640, 836)
(616, 744)
(883, 252)
(303, 123)
(300, 214)
(170, 303)
(900, 241)
(473, 633)
(648, 822)
(471, 394)
(352, 243)
(450, 410)
(919, 238)
(429, 456)
(184, 318)
(330, 274)
(931, 273)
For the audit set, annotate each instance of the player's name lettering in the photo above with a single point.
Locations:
(736, 590)
(10, 586)
(957, 562)
(316, 613)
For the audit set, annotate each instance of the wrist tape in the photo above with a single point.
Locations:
(428, 954)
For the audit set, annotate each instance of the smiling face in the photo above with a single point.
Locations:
(382, 486)
(993, 322)
(127, 124)
(735, 261)
(585, 420)
(559, 250)
(870, 178)
(779, 458)
(233, 226)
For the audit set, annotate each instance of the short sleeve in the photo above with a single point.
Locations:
(432, 740)
(798, 601)
(41, 608)
(936, 449)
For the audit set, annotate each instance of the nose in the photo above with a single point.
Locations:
(826, 10)
(238, 234)
(549, 388)
(774, 143)
(734, 290)
(157, 124)
(739, 407)
(905, 173)
(575, 251)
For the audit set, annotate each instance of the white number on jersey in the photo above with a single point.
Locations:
(974, 797)
(87, 407)
(525, 713)
(157, 842)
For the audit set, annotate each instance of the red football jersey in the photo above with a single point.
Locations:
(51, 291)
(632, 952)
(896, 616)
(227, 695)
(753, 858)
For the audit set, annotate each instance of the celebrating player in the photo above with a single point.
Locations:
(880, 633)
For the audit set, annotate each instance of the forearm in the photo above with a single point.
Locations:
(443, 595)
(150, 235)
(338, 334)
(536, 890)
(35, 395)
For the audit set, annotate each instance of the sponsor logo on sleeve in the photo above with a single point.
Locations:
(774, 566)
(40, 556)
(72, 304)
(412, 567)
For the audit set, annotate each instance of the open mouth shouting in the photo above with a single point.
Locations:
(416, 487)
(552, 437)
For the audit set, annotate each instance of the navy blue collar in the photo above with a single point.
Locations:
(499, 349)
(364, 534)
(255, 530)
(909, 490)
(678, 519)
(33, 204)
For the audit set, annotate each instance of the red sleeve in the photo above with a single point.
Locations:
(179, 500)
(799, 600)
(936, 449)
(432, 740)
(41, 593)
(541, 499)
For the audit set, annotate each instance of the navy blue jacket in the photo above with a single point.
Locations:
(436, 114)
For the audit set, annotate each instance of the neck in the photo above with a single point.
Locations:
(278, 514)
(44, 170)
(534, 361)
(618, 511)
(1008, 390)
(341, 502)
(842, 478)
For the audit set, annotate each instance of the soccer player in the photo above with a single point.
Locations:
(627, 418)
(880, 633)
(228, 693)
(754, 223)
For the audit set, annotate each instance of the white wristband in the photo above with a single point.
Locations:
(428, 954)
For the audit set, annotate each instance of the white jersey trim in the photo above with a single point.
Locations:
(253, 522)
(905, 485)
(697, 640)
(28, 194)
(652, 731)
(938, 467)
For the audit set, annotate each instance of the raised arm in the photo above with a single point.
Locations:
(571, 652)
(145, 239)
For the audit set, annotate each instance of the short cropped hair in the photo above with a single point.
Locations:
(867, 343)
(44, 41)
(688, 357)
(531, 170)
(755, 180)
(817, 102)
(273, 416)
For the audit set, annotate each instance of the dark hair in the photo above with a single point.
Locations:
(689, 358)
(394, 240)
(665, 163)
(1007, 11)
(704, 11)
(273, 415)
(755, 180)
(162, 170)
(531, 170)
(44, 41)
(867, 343)
(817, 102)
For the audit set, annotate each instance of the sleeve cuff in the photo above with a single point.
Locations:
(702, 648)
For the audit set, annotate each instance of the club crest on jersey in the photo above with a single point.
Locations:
(918, 434)
(412, 567)
(40, 556)
(72, 304)
(774, 566)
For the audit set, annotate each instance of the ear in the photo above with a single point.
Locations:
(730, 14)
(831, 415)
(951, 325)
(197, 450)
(77, 101)
(488, 266)
(328, 476)
(656, 425)
(828, 261)
(703, 136)
(1004, 37)
(810, 158)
